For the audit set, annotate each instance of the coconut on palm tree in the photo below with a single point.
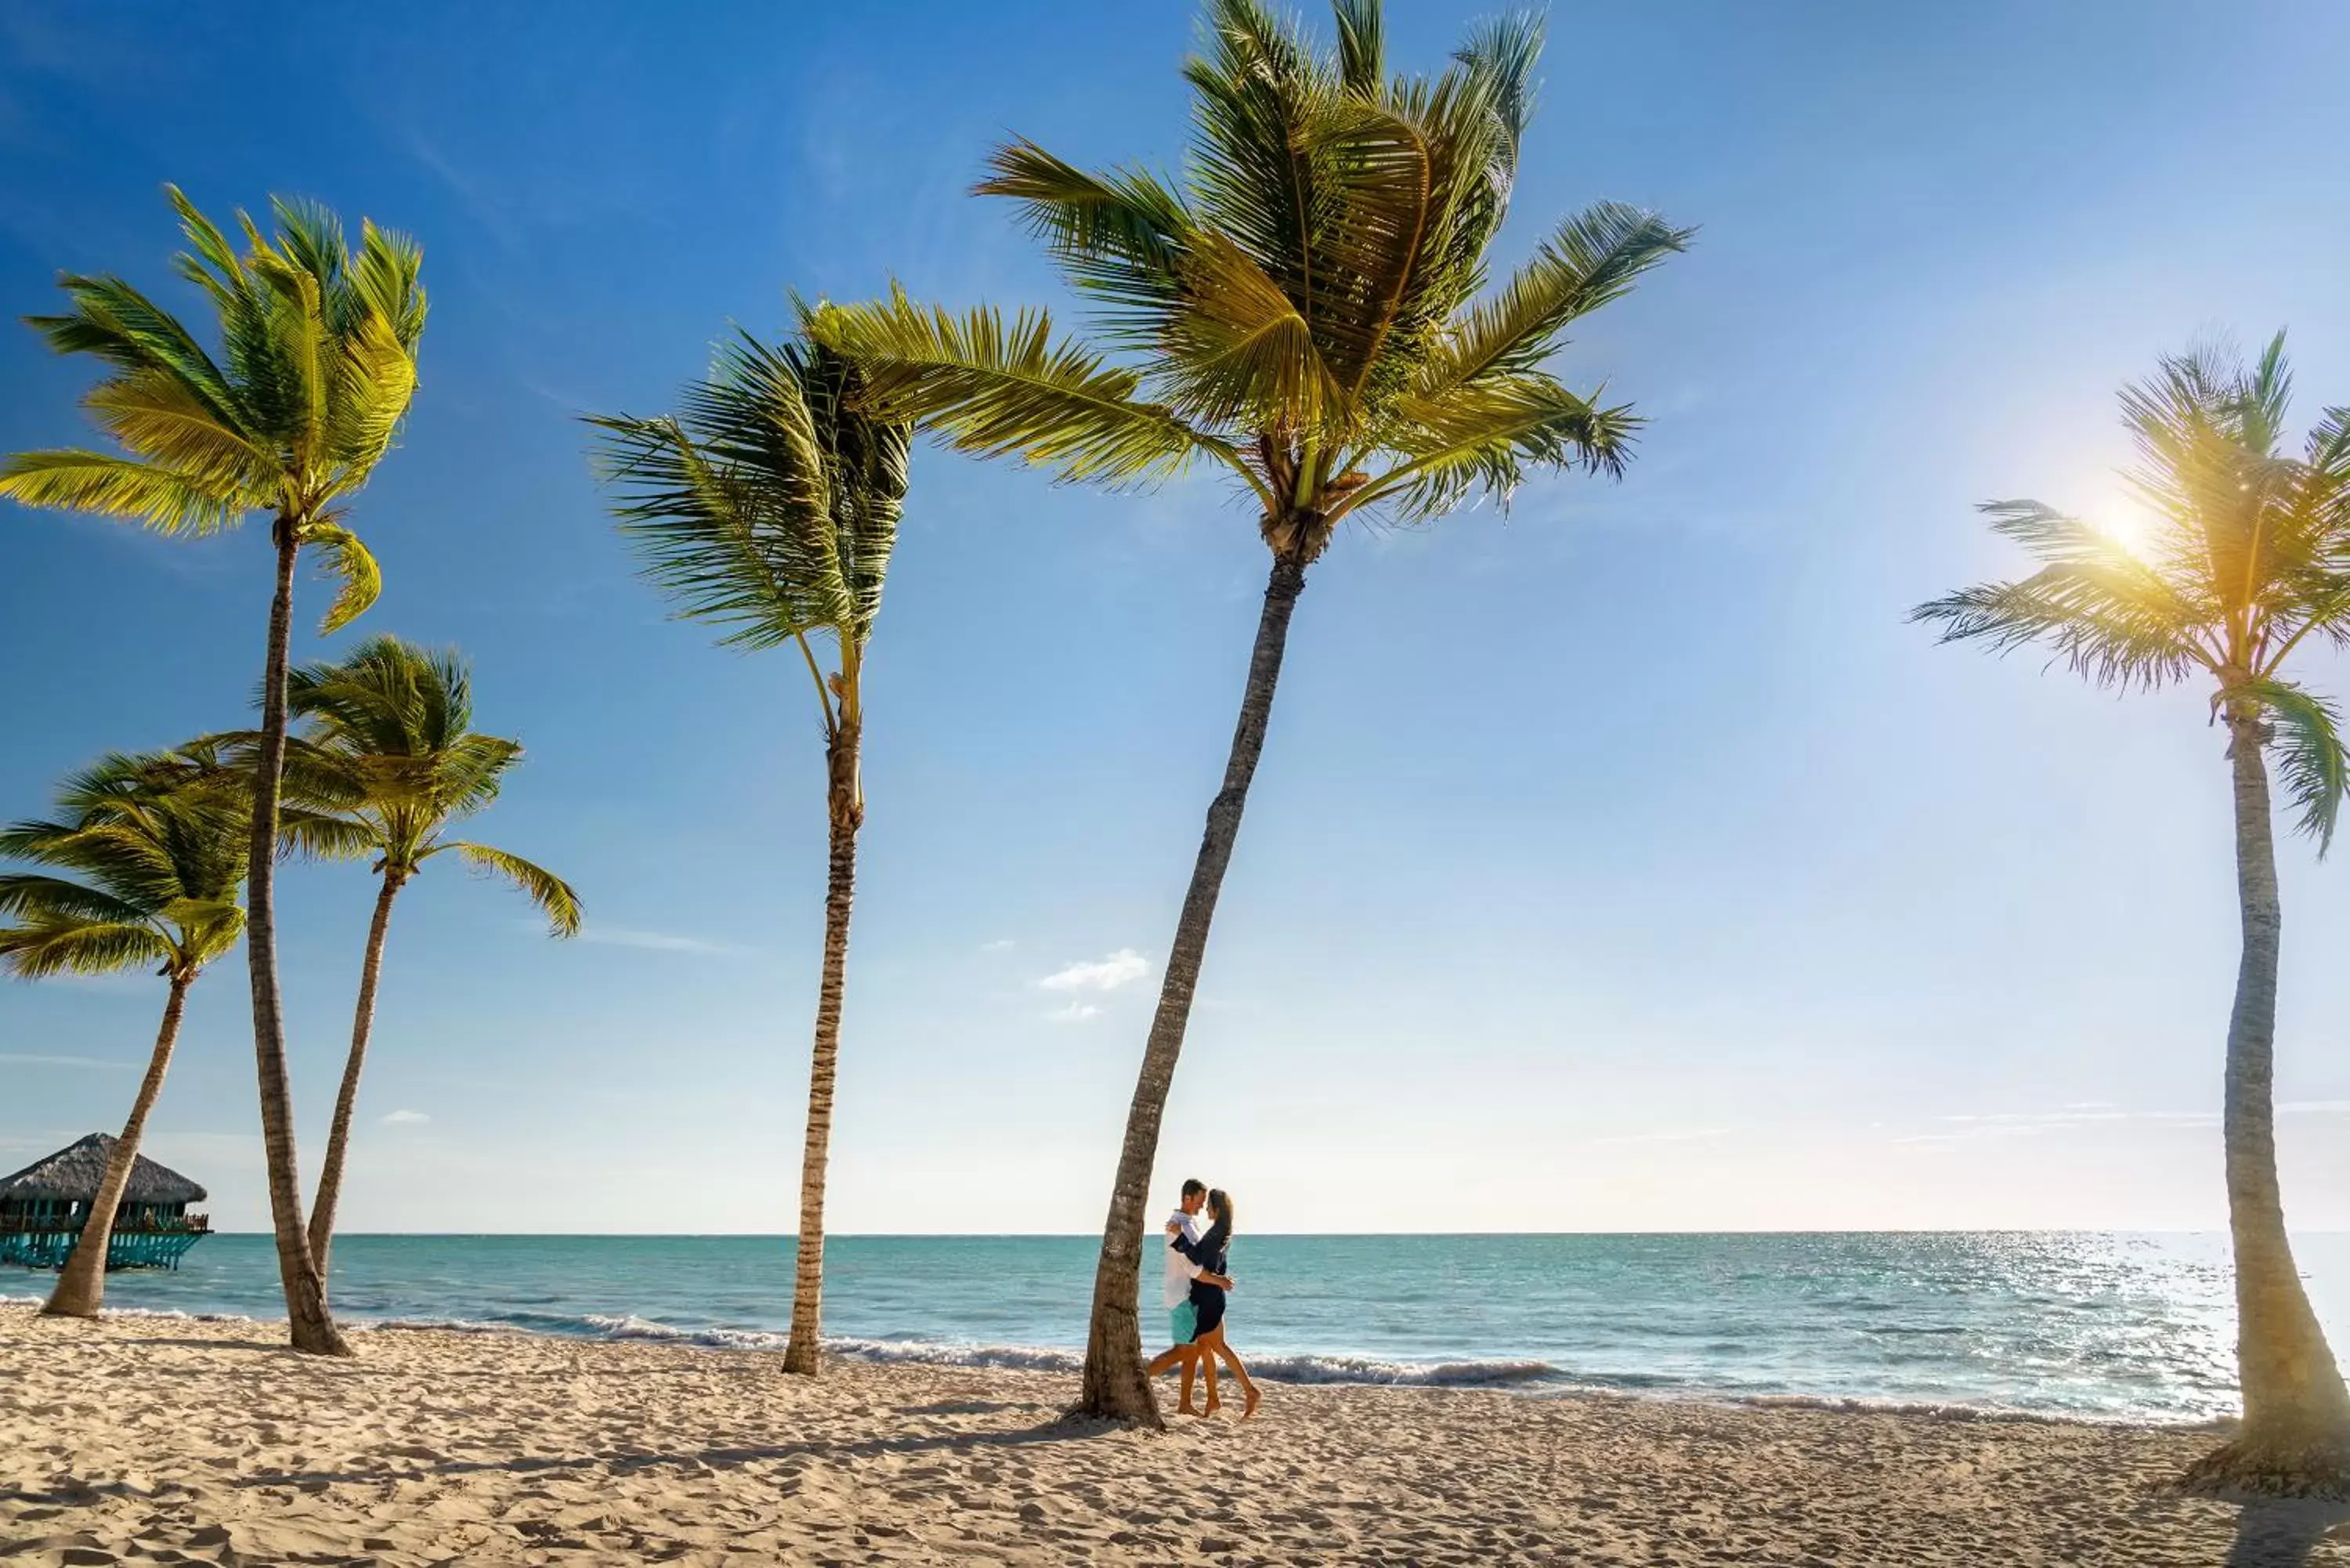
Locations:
(2247, 560)
(768, 506)
(388, 761)
(141, 869)
(316, 366)
(1306, 311)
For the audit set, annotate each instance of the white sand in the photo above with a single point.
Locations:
(141, 1439)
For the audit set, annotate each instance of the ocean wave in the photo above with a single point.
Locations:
(1404, 1374)
(1005, 1357)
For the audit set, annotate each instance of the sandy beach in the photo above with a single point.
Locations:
(154, 1440)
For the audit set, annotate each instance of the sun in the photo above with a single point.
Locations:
(2127, 524)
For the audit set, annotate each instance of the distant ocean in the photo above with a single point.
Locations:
(2111, 1328)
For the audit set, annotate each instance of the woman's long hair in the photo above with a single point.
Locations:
(1219, 1204)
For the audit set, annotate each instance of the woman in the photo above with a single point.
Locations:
(1212, 1253)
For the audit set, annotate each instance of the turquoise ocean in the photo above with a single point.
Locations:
(2096, 1326)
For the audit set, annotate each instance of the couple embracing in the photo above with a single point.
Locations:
(1196, 1283)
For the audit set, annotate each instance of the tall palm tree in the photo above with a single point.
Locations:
(769, 506)
(389, 758)
(142, 868)
(1303, 312)
(315, 368)
(2249, 557)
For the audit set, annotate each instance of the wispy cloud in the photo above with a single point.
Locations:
(405, 1118)
(1000, 945)
(648, 941)
(11, 1059)
(1122, 968)
(1075, 1013)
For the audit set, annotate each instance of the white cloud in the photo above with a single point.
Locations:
(1000, 945)
(405, 1118)
(1075, 1012)
(648, 942)
(1122, 968)
(13, 1060)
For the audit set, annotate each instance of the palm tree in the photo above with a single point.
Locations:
(148, 859)
(769, 506)
(1304, 313)
(390, 759)
(2249, 557)
(318, 364)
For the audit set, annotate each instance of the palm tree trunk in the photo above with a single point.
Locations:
(308, 1322)
(2296, 1430)
(338, 1137)
(82, 1287)
(802, 1353)
(1115, 1384)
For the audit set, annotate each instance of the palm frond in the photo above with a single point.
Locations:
(700, 535)
(38, 947)
(1595, 257)
(2310, 756)
(325, 836)
(996, 390)
(313, 368)
(1485, 438)
(1362, 46)
(1120, 237)
(31, 896)
(2099, 621)
(343, 557)
(1239, 353)
(553, 896)
(164, 499)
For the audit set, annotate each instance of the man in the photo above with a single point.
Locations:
(1181, 1271)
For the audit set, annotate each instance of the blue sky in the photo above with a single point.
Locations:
(1626, 863)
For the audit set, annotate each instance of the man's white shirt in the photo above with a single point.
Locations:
(1180, 1269)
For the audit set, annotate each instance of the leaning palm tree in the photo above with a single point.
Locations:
(1304, 313)
(317, 365)
(769, 506)
(2249, 557)
(141, 870)
(387, 760)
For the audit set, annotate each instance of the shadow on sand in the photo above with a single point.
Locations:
(2273, 1532)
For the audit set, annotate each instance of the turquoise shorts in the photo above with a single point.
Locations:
(1182, 1323)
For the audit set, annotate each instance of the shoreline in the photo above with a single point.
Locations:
(203, 1443)
(1514, 1378)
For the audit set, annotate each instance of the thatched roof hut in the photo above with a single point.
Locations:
(43, 1207)
(73, 1173)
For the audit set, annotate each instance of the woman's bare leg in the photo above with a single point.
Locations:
(1214, 1348)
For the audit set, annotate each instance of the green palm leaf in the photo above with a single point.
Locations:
(998, 389)
(142, 867)
(2310, 756)
(553, 896)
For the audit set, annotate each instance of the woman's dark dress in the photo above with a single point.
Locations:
(1210, 1251)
